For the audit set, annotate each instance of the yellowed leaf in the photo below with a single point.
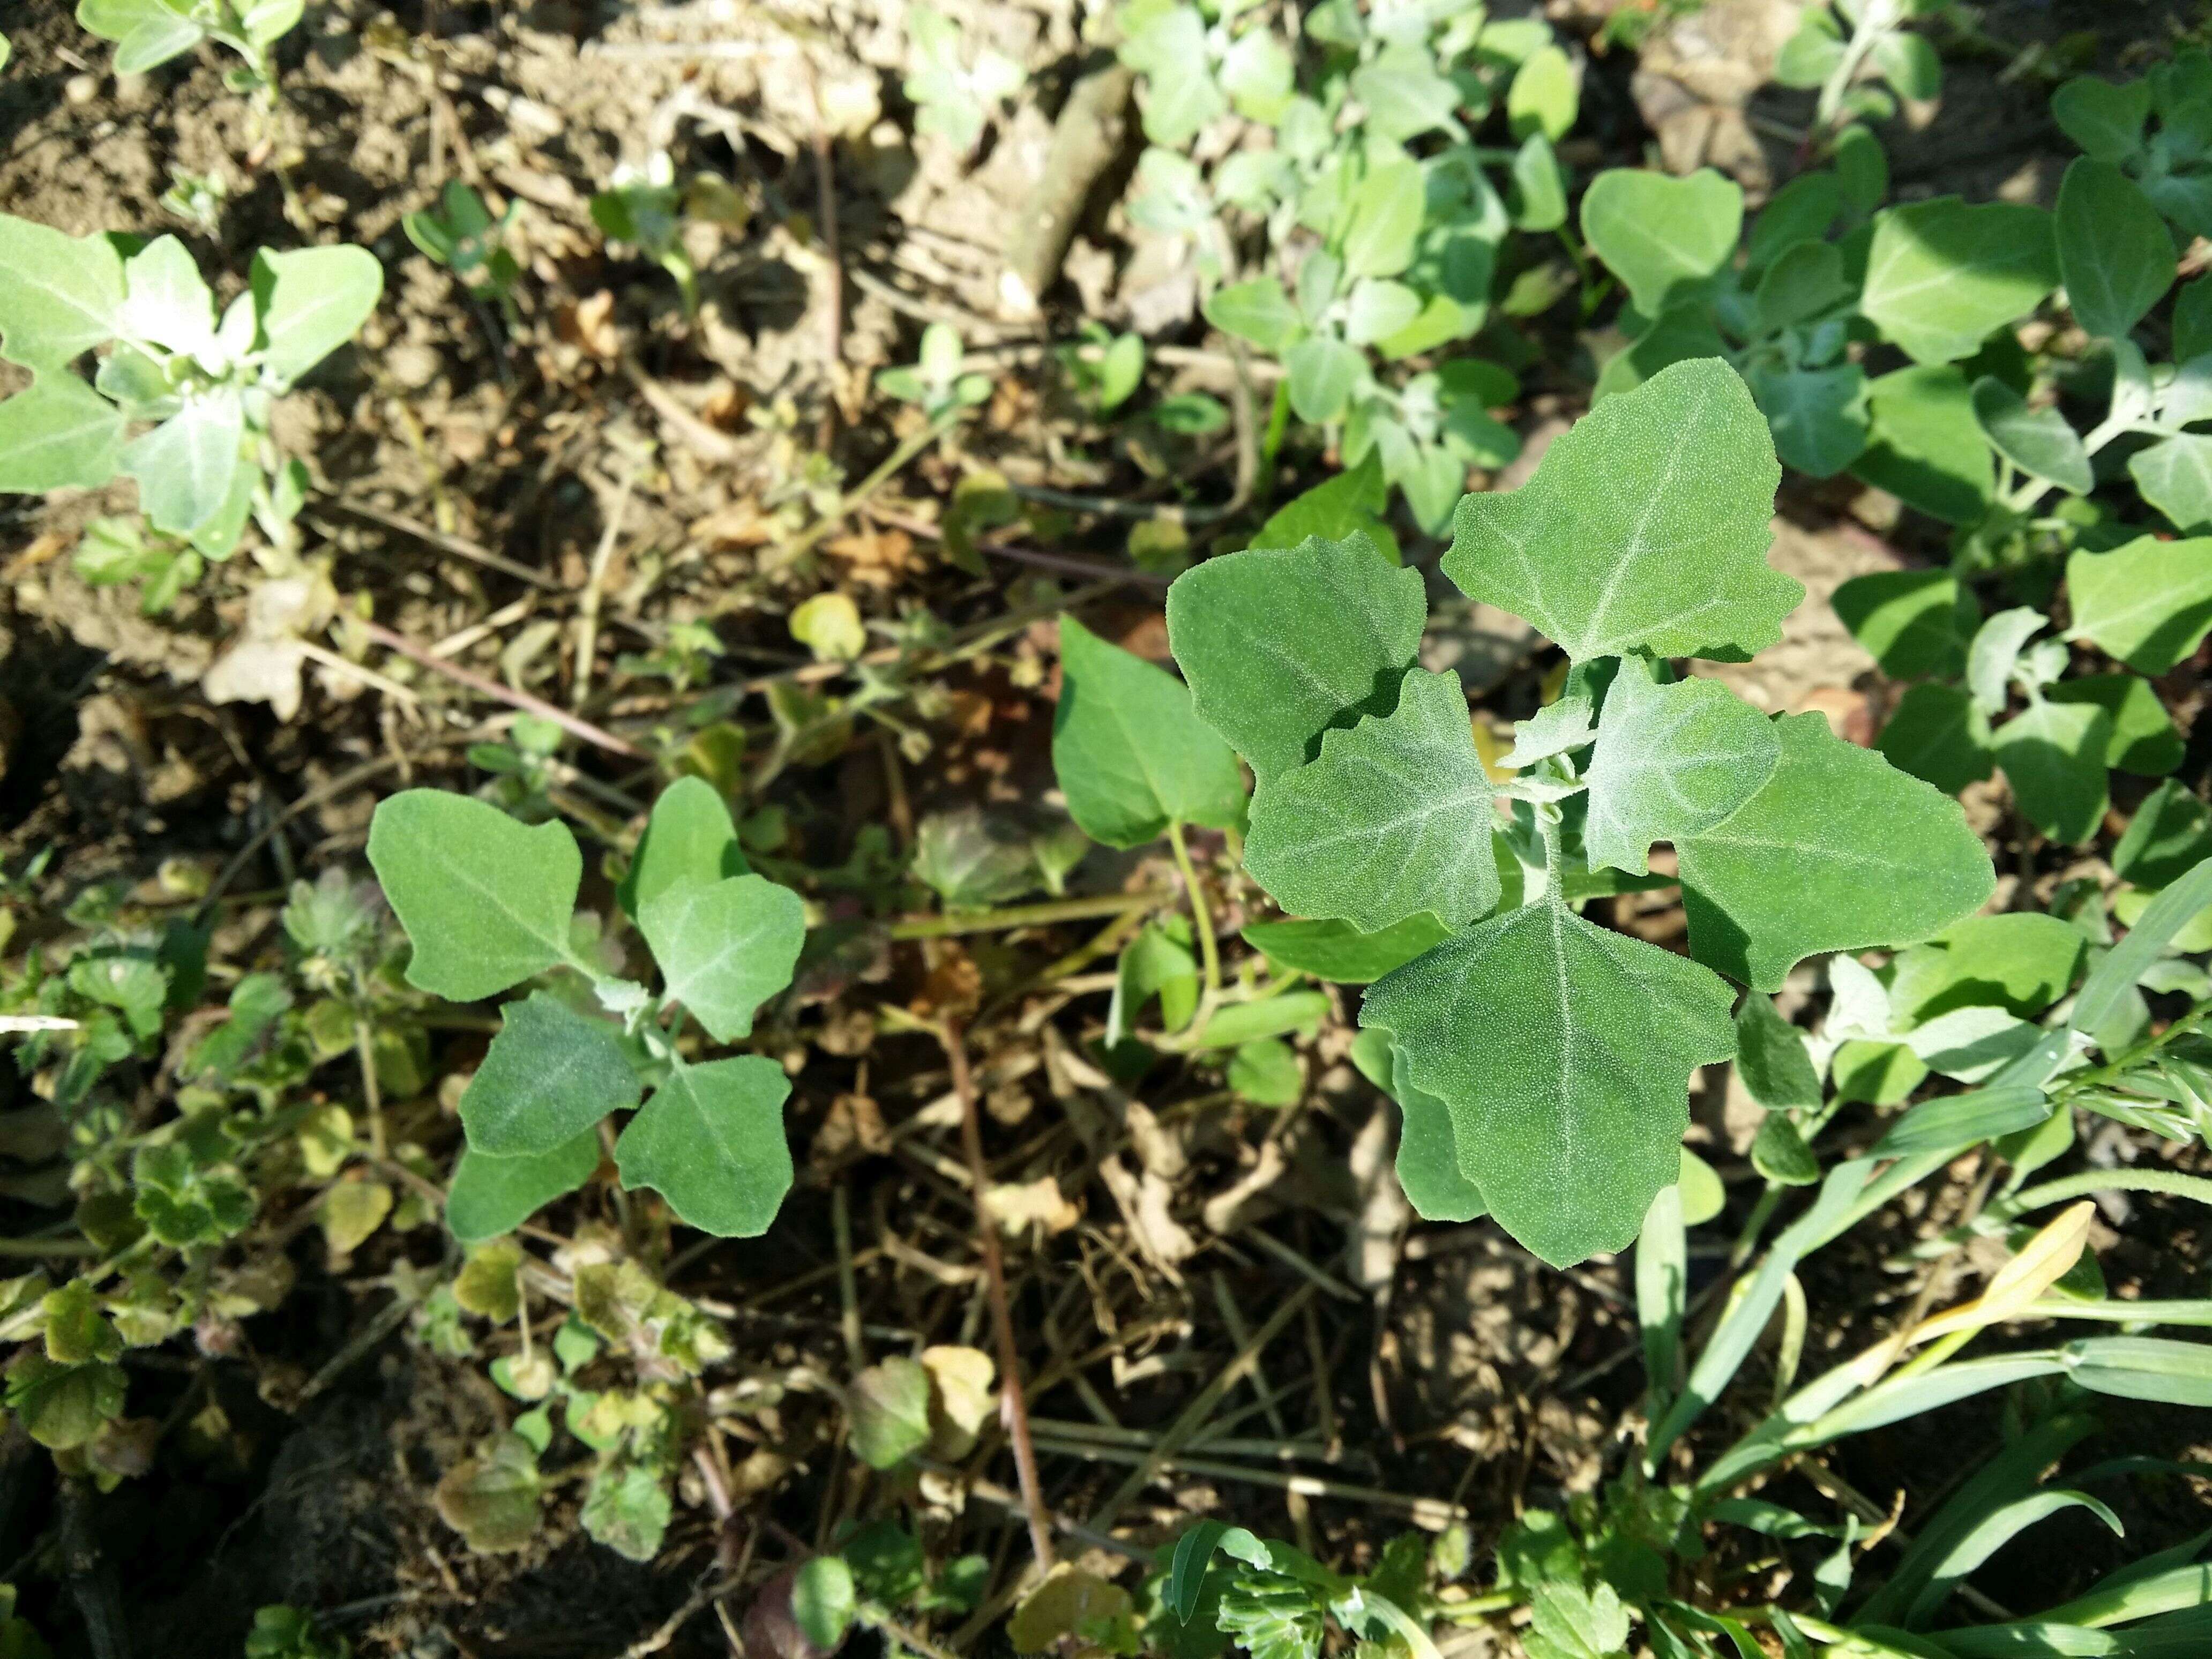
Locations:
(2016, 1286)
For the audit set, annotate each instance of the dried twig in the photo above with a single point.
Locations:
(507, 694)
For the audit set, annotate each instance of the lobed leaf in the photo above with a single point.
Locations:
(492, 1195)
(1336, 952)
(1838, 851)
(550, 1076)
(1393, 819)
(1644, 528)
(1280, 644)
(485, 900)
(1671, 760)
(58, 434)
(1562, 1053)
(689, 836)
(1131, 753)
(64, 294)
(2148, 604)
(1942, 275)
(1665, 237)
(2115, 253)
(710, 1140)
(725, 947)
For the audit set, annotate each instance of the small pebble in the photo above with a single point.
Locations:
(82, 88)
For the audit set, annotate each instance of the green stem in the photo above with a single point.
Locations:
(1202, 920)
(1028, 915)
(907, 450)
(1555, 857)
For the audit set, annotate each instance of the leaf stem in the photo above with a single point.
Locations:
(1028, 915)
(1555, 857)
(1201, 921)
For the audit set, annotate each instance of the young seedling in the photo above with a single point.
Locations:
(1852, 50)
(150, 32)
(461, 235)
(644, 207)
(180, 401)
(489, 905)
(952, 99)
(1541, 1061)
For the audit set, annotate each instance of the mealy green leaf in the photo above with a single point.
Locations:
(689, 836)
(2053, 756)
(1323, 372)
(312, 301)
(1818, 416)
(1339, 953)
(1393, 818)
(2021, 962)
(1805, 282)
(485, 900)
(725, 947)
(1562, 1052)
(1428, 1169)
(166, 301)
(1645, 527)
(2038, 441)
(1663, 237)
(186, 466)
(1258, 311)
(710, 1140)
(1335, 510)
(2175, 477)
(2169, 835)
(549, 1075)
(1838, 851)
(1942, 275)
(1800, 212)
(2105, 121)
(1770, 1057)
(1280, 645)
(2115, 253)
(1130, 751)
(491, 1195)
(1670, 761)
(1386, 220)
(58, 434)
(1994, 654)
(64, 294)
(1924, 445)
(1914, 623)
(2148, 604)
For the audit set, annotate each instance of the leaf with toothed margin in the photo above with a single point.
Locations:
(1393, 819)
(1671, 760)
(1281, 644)
(710, 1140)
(1429, 1172)
(1562, 1053)
(1645, 527)
(1838, 851)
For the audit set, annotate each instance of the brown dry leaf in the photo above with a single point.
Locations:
(852, 1129)
(724, 405)
(741, 523)
(1018, 1205)
(877, 557)
(2014, 1288)
(589, 322)
(954, 985)
(963, 1399)
(41, 550)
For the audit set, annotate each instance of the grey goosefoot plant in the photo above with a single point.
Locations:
(181, 400)
(1541, 1061)
(150, 32)
(489, 903)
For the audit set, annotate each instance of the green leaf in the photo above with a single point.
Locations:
(1280, 644)
(1239, 1023)
(1811, 54)
(185, 466)
(1664, 238)
(627, 1508)
(2114, 977)
(2038, 441)
(1926, 447)
(1267, 1071)
(1778, 1151)
(824, 1600)
(888, 1408)
(2192, 320)
(490, 1195)
(1572, 1623)
(1836, 852)
(1671, 760)
(1800, 212)
(710, 1140)
(63, 296)
(2148, 604)
(1644, 528)
(1818, 416)
(1862, 170)
(1271, 1617)
(1258, 311)
(1379, 308)
(63, 1407)
(689, 836)
(2105, 121)
(1258, 75)
(1539, 195)
(1429, 1170)
(485, 900)
(166, 301)
(1684, 333)
(1914, 623)
(2169, 835)
(1770, 1057)
(2053, 756)
(1942, 275)
(1386, 220)
(2175, 477)
(1562, 1053)
(1393, 819)
(1337, 952)
(57, 434)
(549, 1075)
(725, 947)
(1908, 62)
(1130, 751)
(2142, 1368)
(1543, 96)
(2021, 962)
(1322, 374)
(310, 302)
(1804, 282)
(2115, 253)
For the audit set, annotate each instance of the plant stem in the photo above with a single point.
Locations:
(1028, 915)
(1874, 21)
(364, 1046)
(1201, 921)
(891, 464)
(522, 700)
(1015, 1407)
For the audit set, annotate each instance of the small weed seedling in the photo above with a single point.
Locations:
(1863, 56)
(461, 235)
(150, 32)
(1542, 1062)
(646, 208)
(488, 903)
(195, 388)
(953, 99)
